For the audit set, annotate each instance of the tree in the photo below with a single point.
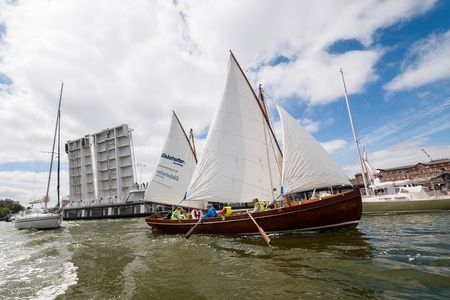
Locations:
(8, 206)
(15, 207)
(4, 211)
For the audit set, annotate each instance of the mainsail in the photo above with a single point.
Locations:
(241, 157)
(306, 164)
(174, 169)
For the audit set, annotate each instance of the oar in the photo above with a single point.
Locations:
(188, 234)
(261, 231)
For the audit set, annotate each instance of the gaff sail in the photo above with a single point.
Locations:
(174, 169)
(306, 164)
(240, 159)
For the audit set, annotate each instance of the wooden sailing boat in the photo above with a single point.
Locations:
(43, 218)
(242, 161)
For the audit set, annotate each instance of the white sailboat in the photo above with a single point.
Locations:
(43, 218)
(399, 195)
(396, 196)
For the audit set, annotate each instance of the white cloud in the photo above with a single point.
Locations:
(25, 186)
(429, 61)
(316, 78)
(133, 62)
(334, 145)
(310, 125)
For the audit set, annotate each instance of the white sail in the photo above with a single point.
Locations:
(306, 164)
(239, 160)
(174, 169)
(368, 168)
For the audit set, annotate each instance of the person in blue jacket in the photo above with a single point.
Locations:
(211, 211)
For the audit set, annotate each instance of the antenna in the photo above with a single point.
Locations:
(427, 154)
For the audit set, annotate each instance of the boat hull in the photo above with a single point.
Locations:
(38, 221)
(403, 204)
(341, 210)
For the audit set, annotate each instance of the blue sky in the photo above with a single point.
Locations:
(135, 63)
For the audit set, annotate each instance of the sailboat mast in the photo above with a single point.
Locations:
(191, 137)
(53, 147)
(264, 108)
(59, 153)
(354, 133)
(263, 101)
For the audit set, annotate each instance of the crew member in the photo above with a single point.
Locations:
(178, 214)
(211, 211)
(258, 206)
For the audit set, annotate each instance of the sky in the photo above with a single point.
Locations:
(133, 62)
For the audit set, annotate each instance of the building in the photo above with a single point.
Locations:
(102, 177)
(418, 172)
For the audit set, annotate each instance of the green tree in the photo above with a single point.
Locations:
(4, 211)
(15, 207)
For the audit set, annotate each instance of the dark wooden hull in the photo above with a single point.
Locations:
(341, 210)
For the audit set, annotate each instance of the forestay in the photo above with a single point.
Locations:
(306, 164)
(239, 157)
(174, 169)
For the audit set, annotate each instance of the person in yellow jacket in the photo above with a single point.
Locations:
(258, 206)
(178, 214)
(225, 212)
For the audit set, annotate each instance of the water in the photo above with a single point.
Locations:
(386, 257)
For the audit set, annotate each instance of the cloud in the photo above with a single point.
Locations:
(310, 125)
(334, 145)
(428, 61)
(25, 186)
(316, 79)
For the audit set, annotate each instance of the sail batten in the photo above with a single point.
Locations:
(174, 169)
(234, 167)
(306, 164)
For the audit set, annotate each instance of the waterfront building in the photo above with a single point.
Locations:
(420, 172)
(102, 176)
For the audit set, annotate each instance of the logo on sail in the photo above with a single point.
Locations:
(163, 174)
(176, 160)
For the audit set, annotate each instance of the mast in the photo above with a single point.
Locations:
(53, 149)
(354, 134)
(192, 146)
(263, 102)
(191, 137)
(59, 154)
(264, 108)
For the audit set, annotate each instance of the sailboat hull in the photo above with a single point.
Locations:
(38, 221)
(341, 210)
(399, 203)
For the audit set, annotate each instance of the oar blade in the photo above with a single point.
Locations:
(189, 233)
(264, 235)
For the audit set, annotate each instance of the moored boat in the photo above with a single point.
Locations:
(43, 218)
(37, 219)
(403, 199)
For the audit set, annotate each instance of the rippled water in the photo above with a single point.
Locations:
(386, 257)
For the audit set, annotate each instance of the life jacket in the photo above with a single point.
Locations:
(261, 206)
(226, 211)
(196, 213)
(177, 215)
